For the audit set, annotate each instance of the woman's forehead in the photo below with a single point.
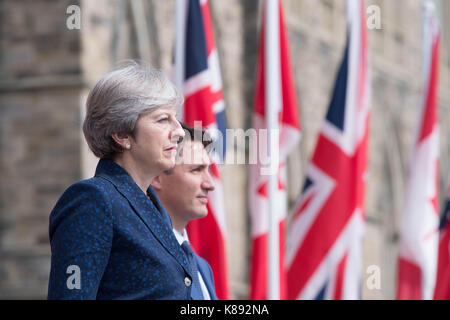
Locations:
(156, 111)
(161, 109)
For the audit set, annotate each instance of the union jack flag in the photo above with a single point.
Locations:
(442, 291)
(202, 88)
(324, 244)
(418, 246)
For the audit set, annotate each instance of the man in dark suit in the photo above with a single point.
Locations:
(183, 191)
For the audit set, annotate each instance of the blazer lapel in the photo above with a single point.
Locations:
(154, 216)
(151, 193)
(206, 275)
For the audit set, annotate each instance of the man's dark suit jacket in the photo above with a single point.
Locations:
(121, 241)
(205, 269)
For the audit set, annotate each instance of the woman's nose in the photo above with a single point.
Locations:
(177, 131)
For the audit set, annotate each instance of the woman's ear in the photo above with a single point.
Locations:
(122, 139)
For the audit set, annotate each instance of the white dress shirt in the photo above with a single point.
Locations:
(181, 238)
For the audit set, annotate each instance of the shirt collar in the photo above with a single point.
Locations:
(181, 237)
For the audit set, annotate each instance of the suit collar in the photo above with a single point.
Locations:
(151, 211)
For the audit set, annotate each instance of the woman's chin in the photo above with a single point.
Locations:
(167, 165)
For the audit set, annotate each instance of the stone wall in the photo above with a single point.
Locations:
(46, 71)
(40, 77)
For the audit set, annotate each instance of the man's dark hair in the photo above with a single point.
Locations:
(202, 136)
(191, 134)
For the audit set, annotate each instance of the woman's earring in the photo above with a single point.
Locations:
(128, 146)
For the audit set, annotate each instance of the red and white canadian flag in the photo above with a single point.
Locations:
(418, 248)
(289, 135)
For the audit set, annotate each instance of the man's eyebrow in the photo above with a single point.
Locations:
(200, 165)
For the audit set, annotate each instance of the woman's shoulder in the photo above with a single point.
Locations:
(81, 199)
(95, 185)
(95, 191)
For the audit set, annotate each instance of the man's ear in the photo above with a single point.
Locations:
(157, 182)
(122, 139)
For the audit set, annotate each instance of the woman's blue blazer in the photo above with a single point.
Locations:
(110, 241)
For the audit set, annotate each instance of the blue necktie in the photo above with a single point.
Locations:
(196, 291)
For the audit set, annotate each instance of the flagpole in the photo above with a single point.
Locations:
(427, 44)
(272, 65)
(180, 43)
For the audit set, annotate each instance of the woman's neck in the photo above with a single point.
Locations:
(141, 177)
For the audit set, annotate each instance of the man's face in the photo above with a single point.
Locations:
(184, 190)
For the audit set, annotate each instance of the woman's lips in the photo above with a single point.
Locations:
(171, 149)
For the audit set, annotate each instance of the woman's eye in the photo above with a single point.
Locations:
(163, 119)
